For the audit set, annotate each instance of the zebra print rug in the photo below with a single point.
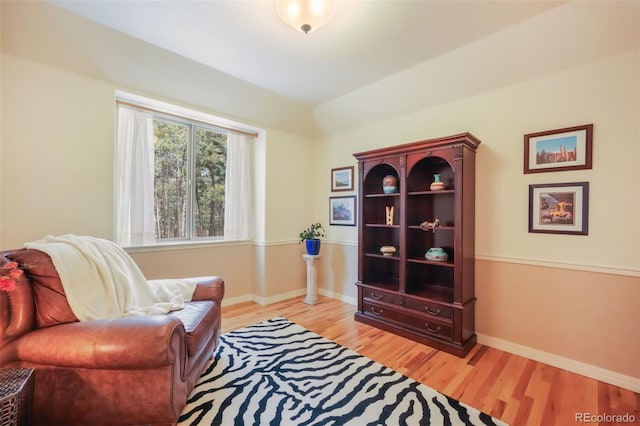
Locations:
(279, 373)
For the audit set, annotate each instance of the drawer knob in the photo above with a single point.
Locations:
(432, 311)
(375, 296)
(432, 329)
(376, 311)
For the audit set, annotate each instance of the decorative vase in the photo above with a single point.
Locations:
(389, 184)
(313, 247)
(436, 185)
(436, 253)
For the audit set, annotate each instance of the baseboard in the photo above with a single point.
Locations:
(587, 370)
(237, 300)
(286, 296)
(339, 296)
(279, 297)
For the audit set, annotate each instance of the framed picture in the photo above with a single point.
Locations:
(557, 150)
(342, 210)
(342, 179)
(559, 208)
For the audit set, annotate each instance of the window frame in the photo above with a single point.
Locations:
(191, 125)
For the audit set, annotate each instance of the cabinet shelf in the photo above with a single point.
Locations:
(381, 256)
(438, 228)
(382, 195)
(446, 263)
(442, 191)
(400, 292)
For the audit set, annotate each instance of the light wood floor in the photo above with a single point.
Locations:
(514, 389)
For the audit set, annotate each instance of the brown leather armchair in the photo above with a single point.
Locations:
(136, 370)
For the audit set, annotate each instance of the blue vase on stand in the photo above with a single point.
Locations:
(313, 247)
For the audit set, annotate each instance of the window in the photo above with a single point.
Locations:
(180, 179)
(189, 182)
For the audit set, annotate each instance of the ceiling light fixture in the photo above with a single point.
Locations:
(306, 15)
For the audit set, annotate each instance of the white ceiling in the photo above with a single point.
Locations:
(367, 41)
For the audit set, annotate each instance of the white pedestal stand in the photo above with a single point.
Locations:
(312, 285)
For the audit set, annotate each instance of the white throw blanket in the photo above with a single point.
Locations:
(102, 281)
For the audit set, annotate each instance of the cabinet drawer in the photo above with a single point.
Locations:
(383, 296)
(417, 305)
(416, 321)
(429, 308)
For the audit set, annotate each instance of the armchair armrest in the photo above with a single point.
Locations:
(129, 342)
(209, 288)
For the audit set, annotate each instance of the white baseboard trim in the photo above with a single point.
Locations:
(339, 296)
(263, 300)
(286, 296)
(237, 300)
(593, 372)
(279, 297)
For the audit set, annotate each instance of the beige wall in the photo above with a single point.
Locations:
(581, 300)
(232, 262)
(585, 316)
(57, 146)
(56, 173)
(601, 93)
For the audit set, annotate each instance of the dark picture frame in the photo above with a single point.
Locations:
(559, 208)
(570, 148)
(342, 210)
(342, 179)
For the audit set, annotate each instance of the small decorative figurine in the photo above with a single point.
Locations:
(425, 226)
(389, 211)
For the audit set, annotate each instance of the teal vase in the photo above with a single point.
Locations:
(437, 184)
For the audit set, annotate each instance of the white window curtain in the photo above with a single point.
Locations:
(238, 196)
(135, 219)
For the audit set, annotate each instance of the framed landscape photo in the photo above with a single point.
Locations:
(559, 208)
(558, 150)
(342, 210)
(342, 179)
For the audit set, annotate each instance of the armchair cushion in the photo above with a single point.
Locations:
(196, 323)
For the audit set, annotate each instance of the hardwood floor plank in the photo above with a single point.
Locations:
(538, 392)
(514, 389)
(493, 385)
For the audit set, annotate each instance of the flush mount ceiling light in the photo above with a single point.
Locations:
(306, 15)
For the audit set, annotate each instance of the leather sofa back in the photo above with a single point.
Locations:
(38, 299)
(17, 309)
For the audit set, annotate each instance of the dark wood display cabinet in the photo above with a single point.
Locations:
(427, 299)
